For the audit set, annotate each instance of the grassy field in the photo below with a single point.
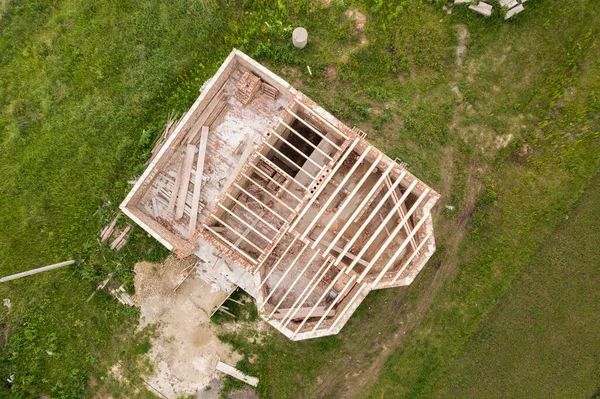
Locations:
(85, 87)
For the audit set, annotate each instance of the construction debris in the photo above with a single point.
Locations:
(285, 201)
(108, 230)
(122, 296)
(120, 240)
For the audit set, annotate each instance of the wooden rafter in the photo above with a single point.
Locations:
(270, 194)
(412, 256)
(374, 235)
(324, 183)
(325, 293)
(232, 245)
(305, 294)
(358, 210)
(260, 202)
(394, 233)
(289, 247)
(281, 171)
(282, 155)
(348, 198)
(319, 117)
(291, 287)
(368, 220)
(252, 212)
(297, 150)
(398, 252)
(340, 296)
(275, 182)
(311, 127)
(335, 193)
(240, 235)
(307, 141)
(401, 213)
(341, 314)
(248, 225)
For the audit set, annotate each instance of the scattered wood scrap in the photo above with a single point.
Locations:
(122, 296)
(235, 373)
(120, 240)
(101, 286)
(108, 230)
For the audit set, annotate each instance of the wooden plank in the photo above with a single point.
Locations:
(186, 173)
(401, 213)
(412, 256)
(121, 237)
(36, 271)
(302, 312)
(283, 156)
(237, 217)
(235, 373)
(347, 307)
(198, 180)
(329, 310)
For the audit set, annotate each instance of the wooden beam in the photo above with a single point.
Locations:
(353, 217)
(275, 182)
(264, 237)
(260, 202)
(188, 161)
(252, 212)
(296, 149)
(235, 373)
(367, 221)
(348, 198)
(394, 233)
(198, 180)
(324, 183)
(307, 141)
(281, 171)
(239, 250)
(348, 254)
(374, 235)
(335, 193)
(412, 256)
(173, 198)
(270, 194)
(319, 117)
(320, 311)
(311, 127)
(305, 294)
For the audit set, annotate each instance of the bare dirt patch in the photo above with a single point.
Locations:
(461, 49)
(185, 350)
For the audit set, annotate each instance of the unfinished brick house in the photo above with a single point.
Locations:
(277, 196)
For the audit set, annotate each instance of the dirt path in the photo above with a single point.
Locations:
(185, 350)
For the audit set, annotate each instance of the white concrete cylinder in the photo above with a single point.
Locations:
(300, 37)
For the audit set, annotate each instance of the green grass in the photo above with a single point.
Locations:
(86, 86)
